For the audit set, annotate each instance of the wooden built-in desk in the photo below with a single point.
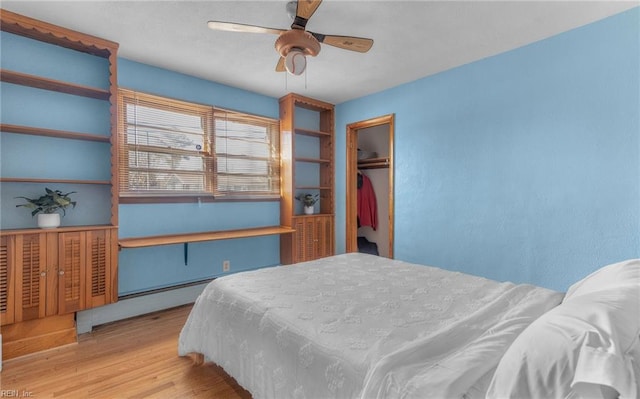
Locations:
(186, 238)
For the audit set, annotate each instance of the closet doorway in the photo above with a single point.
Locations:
(370, 156)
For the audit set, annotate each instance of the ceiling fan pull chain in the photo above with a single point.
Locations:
(286, 82)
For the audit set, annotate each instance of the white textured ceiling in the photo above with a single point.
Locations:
(412, 39)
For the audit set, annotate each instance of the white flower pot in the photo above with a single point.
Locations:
(48, 220)
(308, 210)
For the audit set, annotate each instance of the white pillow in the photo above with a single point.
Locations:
(610, 276)
(585, 347)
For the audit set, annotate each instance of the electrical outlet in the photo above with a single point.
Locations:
(226, 266)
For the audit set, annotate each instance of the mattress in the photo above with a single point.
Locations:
(358, 325)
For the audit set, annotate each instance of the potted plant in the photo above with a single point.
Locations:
(308, 200)
(48, 206)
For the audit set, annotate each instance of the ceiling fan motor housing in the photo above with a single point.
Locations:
(299, 39)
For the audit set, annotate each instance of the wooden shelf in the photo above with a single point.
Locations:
(312, 188)
(67, 181)
(140, 242)
(38, 131)
(314, 133)
(312, 160)
(373, 163)
(56, 230)
(40, 82)
(304, 215)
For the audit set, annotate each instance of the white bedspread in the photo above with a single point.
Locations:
(357, 325)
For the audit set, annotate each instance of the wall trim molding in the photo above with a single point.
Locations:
(136, 306)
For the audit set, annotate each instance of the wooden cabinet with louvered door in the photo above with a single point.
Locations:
(46, 276)
(305, 240)
(53, 273)
(72, 258)
(102, 271)
(324, 236)
(313, 238)
(300, 241)
(87, 270)
(7, 272)
(32, 274)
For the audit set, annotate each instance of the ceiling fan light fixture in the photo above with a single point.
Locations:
(295, 44)
(295, 62)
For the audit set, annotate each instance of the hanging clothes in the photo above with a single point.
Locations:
(367, 205)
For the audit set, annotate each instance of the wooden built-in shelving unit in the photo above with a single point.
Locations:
(49, 274)
(45, 32)
(314, 234)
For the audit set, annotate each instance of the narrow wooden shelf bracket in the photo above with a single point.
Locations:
(185, 239)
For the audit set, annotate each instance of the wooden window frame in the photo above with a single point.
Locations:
(209, 115)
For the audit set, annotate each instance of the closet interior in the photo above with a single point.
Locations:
(370, 193)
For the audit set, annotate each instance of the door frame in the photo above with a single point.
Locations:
(352, 181)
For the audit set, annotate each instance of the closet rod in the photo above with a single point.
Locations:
(374, 163)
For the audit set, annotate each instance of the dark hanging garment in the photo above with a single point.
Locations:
(367, 247)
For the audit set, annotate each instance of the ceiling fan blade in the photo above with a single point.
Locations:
(280, 66)
(306, 8)
(359, 44)
(233, 27)
(304, 11)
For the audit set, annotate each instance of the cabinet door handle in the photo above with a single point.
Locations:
(61, 272)
(43, 274)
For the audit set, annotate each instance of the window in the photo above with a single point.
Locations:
(171, 148)
(247, 154)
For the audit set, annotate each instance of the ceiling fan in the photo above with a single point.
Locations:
(296, 43)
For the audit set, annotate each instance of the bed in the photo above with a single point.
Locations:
(361, 326)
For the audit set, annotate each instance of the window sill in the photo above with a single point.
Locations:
(167, 199)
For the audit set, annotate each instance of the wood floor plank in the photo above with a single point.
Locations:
(129, 359)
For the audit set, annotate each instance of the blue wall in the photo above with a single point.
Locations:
(153, 267)
(43, 157)
(524, 166)
(25, 156)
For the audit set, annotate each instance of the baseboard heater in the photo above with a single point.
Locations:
(165, 289)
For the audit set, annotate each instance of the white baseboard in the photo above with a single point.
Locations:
(87, 319)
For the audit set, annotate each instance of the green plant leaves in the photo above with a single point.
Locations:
(308, 199)
(51, 202)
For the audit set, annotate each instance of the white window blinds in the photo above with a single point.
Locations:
(247, 153)
(176, 148)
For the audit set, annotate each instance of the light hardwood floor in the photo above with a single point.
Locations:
(134, 358)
